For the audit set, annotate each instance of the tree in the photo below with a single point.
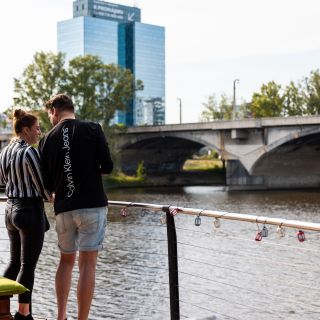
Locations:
(269, 102)
(312, 93)
(116, 91)
(215, 110)
(294, 100)
(41, 79)
(96, 88)
(99, 89)
(83, 78)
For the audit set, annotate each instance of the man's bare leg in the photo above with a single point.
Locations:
(63, 282)
(86, 282)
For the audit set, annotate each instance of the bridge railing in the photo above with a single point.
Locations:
(213, 263)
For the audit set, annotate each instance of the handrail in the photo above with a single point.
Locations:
(311, 226)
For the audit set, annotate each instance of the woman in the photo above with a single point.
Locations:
(25, 218)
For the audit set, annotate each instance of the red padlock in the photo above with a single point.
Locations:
(258, 236)
(301, 236)
(173, 211)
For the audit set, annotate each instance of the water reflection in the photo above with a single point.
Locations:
(222, 271)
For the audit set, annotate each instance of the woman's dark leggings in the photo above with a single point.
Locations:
(25, 222)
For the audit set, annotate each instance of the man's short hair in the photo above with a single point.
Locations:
(60, 101)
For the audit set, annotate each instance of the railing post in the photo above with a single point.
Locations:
(173, 266)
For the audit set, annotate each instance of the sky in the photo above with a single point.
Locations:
(209, 44)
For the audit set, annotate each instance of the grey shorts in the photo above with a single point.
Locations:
(81, 229)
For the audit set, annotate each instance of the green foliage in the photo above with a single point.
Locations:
(214, 110)
(84, 74)
(312, 93)
(8, 113)
(222, 109)
(122, 180)
(116, 90)
(268, 102)
(140, 173)
(298, 99)
(214, 166)
(294, 100)
(44, 77)
(4, 123)
(97, 89)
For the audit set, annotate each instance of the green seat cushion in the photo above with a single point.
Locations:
(9, 287)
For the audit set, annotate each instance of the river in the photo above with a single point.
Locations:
(222, 272)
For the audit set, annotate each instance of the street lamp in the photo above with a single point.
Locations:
(234, 111)
(180, 108)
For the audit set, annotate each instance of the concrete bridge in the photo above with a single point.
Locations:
(259, 153)
(5, 137)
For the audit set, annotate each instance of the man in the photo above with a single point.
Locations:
(75, 154)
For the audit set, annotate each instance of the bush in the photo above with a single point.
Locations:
(140, 173)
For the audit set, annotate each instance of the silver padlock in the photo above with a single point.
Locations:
(281, 231)
(163, 219)
(197, 221)
(143, 213)
(217, 223)
(264, 231)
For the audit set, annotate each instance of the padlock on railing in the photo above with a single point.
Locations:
(124, 212)
(173, 211)
(258, 236)
(264, 231)
(217, 223)
(143, 213)
(163, 219)
(197, 221)
(281, 231)
(301, 236)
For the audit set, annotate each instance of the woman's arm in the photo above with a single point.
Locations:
(34, 167)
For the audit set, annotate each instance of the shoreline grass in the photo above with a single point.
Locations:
(203, 165)
(122, 180)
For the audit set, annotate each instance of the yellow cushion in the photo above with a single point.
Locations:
(9, 287)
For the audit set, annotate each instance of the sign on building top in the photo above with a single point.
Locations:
(106, 10)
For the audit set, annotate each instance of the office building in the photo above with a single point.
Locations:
(116, 34)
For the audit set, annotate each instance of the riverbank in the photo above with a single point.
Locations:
(207, 172)
(184, 178)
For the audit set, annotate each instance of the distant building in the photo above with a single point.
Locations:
(115, 33)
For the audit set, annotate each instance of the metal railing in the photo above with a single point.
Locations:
(221, 215)
(170, 213)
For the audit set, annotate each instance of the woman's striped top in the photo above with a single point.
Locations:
(20, 171)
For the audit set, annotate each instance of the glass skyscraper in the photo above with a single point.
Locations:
(115, 33)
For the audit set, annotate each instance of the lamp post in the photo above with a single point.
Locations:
(180, 108)
(234, 111)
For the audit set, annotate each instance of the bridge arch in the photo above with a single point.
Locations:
(164, 154)
(203, 140)
(295, 154)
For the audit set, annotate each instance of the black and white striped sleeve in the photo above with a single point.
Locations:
(33, 163)
(3, 179)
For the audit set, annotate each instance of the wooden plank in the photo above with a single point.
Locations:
(5, 308)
